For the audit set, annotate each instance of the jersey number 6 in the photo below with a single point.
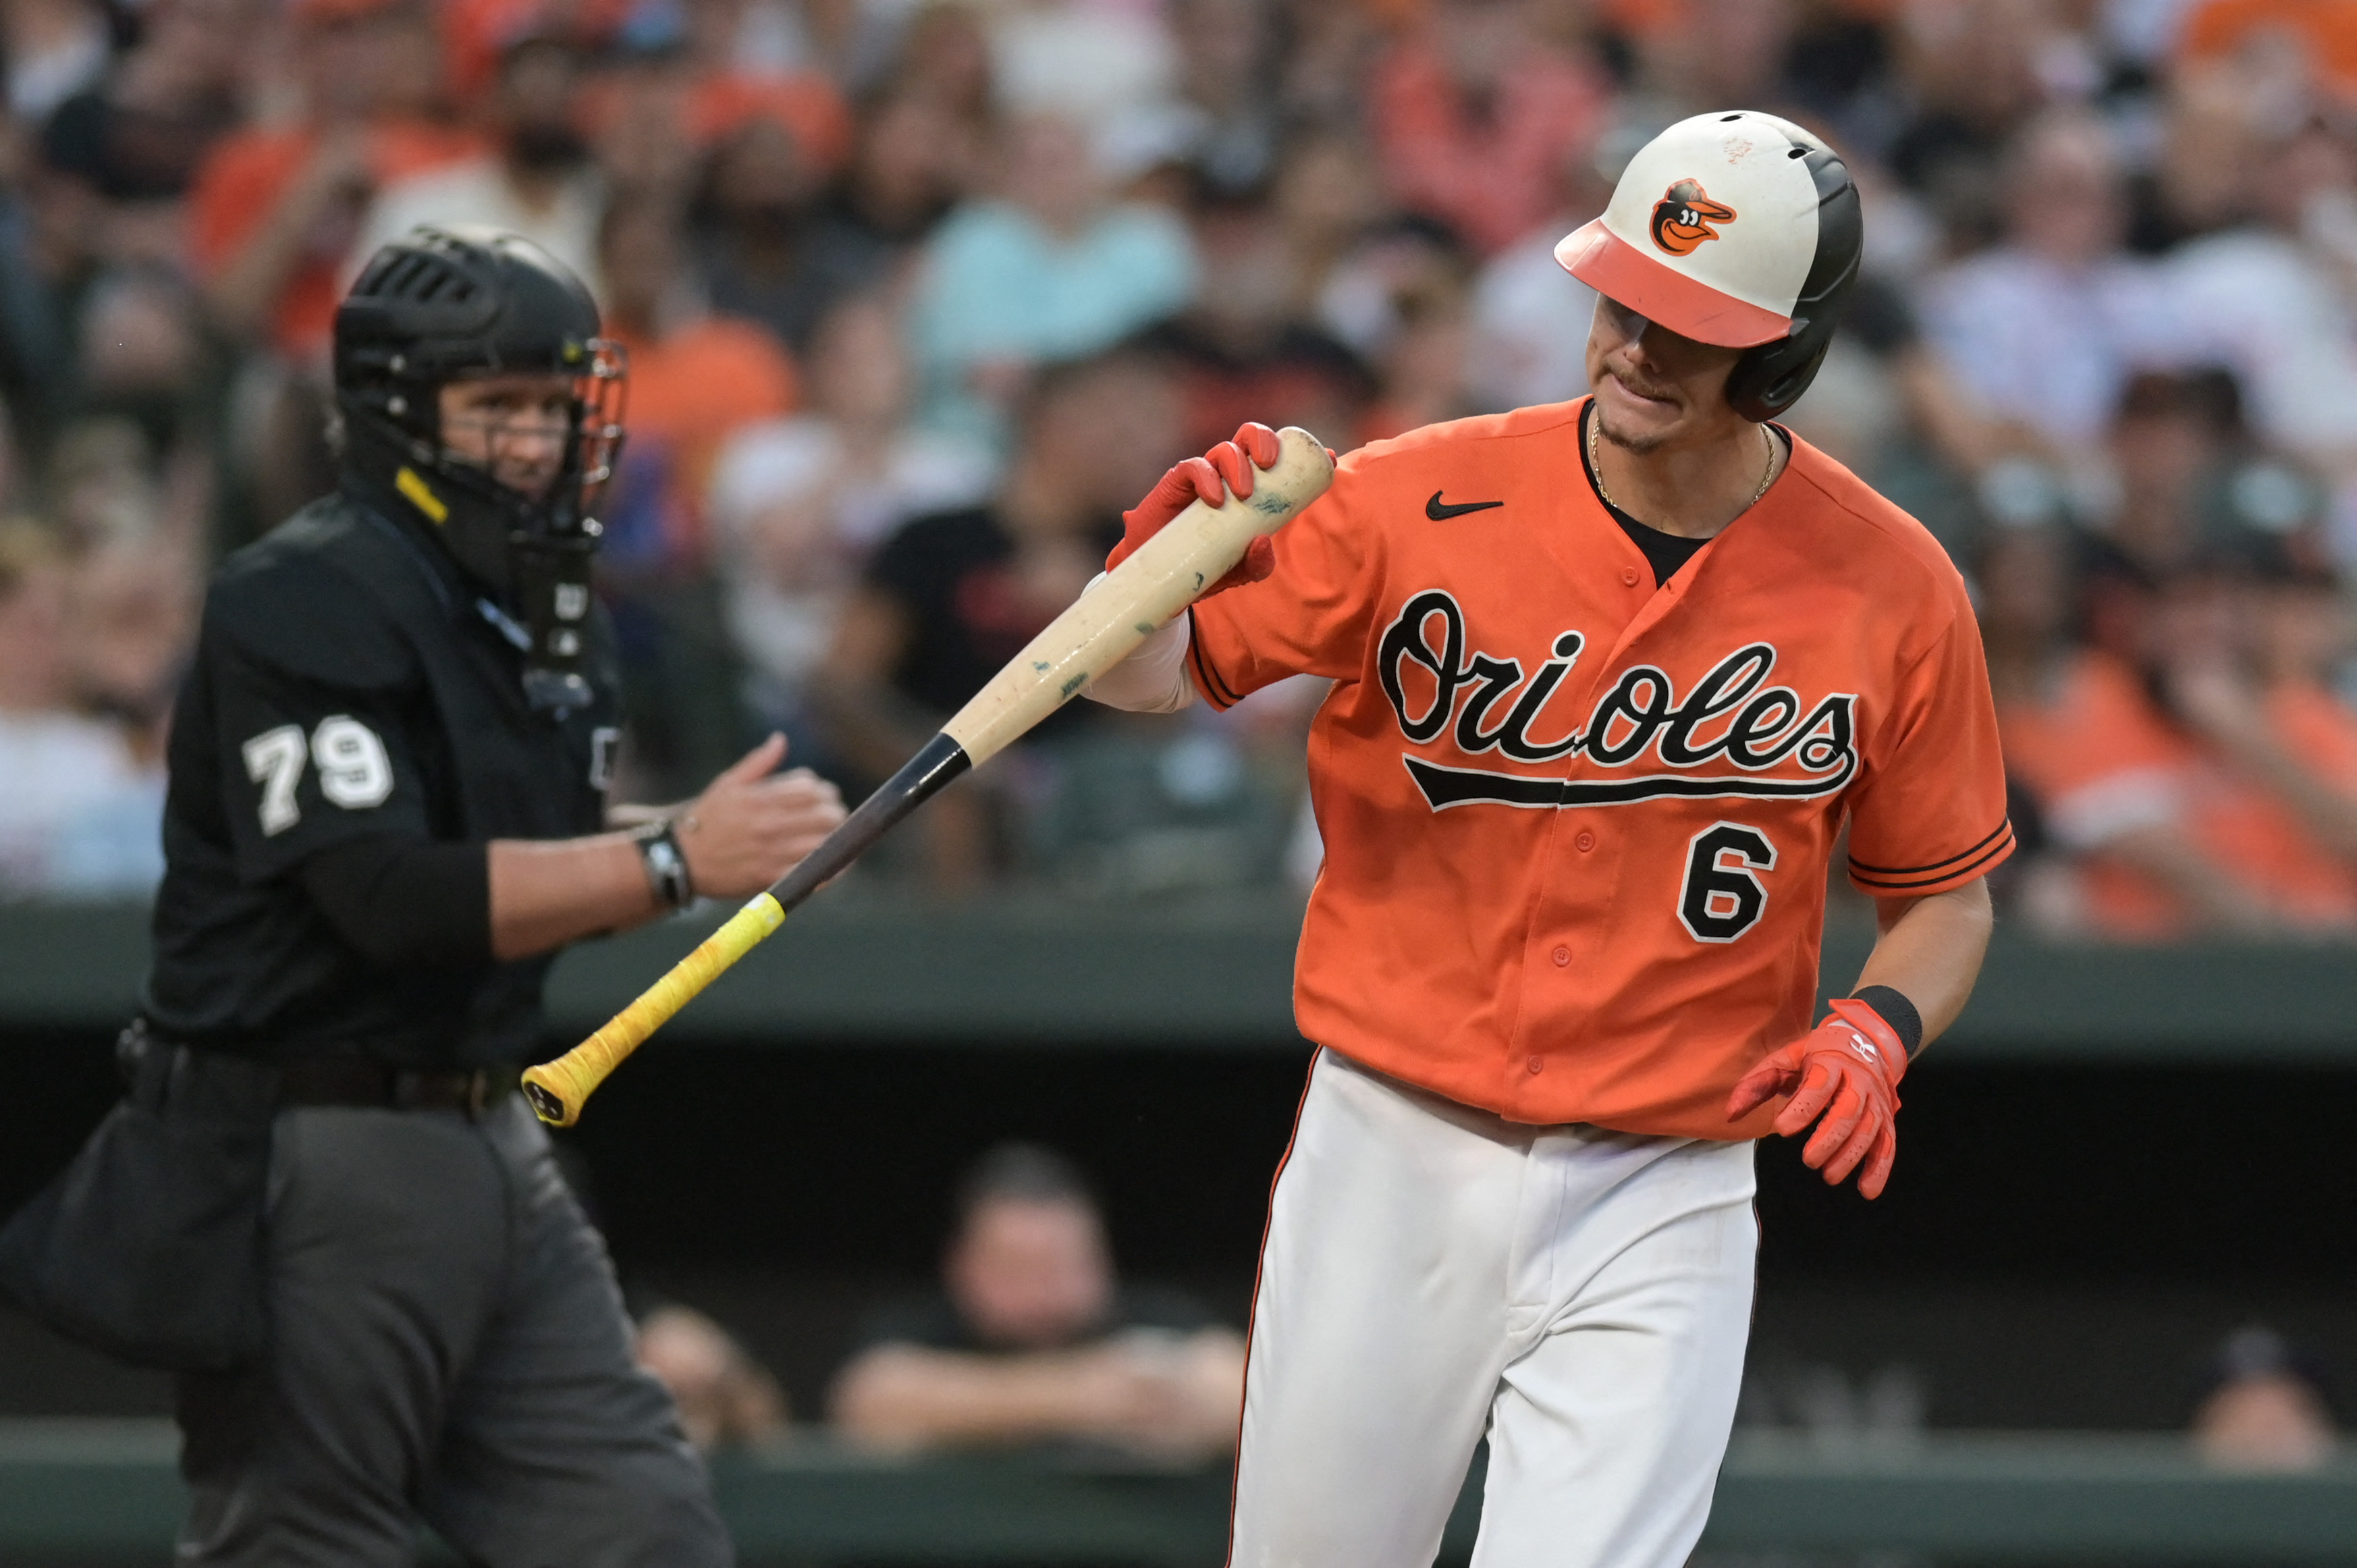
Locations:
(1722, 899)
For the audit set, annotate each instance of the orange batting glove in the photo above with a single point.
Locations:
(1227, 466)
(1852, 1062)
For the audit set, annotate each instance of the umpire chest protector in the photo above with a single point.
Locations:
(350, 683)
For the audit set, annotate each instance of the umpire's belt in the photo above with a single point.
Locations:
(356, 1081)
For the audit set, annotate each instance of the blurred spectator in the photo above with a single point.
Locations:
(945, 61)
(2275, 298)
(1402, 299)
(913, 159)
(2265, 1409)
(2162, 457)
(739, 69)
(276, 208)
(725, 1399)
(1328, 197)
(1247, 346)
(798, 504)
(1102, 67)
(853, 42)
(1473, 115)
(64, 777)
(137, 136)
(2046, 327)
(1696, 56)
(694, 380)
(1030, 1340)
(1425, 372)
(141, 349)
(951, 598)
(763, 252)
(2265, 704)
(1529, 318)
(1394, 268)
(2164, 774)
(2025, 594)
(1330, 50)
(1228, 56)
(132, 617)
(1970, 74)
(675, 77)
(536, 179)
(55, 49)
(108, 480)
(2321, 32)
(1051, 268)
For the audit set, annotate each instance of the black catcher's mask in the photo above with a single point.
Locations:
(442, 304)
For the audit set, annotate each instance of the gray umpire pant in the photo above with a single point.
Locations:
(447, 1343)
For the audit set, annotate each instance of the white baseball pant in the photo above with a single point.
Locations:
(1433, 1270)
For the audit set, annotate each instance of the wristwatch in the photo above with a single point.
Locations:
(666, 866)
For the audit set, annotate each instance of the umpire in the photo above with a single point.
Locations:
(389, 770)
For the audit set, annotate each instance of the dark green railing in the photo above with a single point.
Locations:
(104, 1490)
(1217, 974)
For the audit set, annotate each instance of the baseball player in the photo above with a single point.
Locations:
(1611, 678)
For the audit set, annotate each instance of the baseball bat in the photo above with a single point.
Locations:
(1166, 575)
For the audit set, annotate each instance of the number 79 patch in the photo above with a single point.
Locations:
(354, 771)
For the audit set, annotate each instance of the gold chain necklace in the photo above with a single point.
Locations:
(1596, 466)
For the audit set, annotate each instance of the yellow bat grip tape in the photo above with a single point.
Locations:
(558, 1090)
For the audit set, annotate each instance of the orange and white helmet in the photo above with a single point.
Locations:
(1736, 228)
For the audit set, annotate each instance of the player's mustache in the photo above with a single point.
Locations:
(1642, 389)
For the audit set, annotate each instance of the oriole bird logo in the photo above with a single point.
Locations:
(1683, 217)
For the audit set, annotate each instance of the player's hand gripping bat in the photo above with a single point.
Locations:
(1166, 575)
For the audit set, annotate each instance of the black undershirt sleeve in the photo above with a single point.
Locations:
(405, 903)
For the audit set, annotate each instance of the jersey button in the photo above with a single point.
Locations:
(1628, 576)
(1536, 1065)
(1562, 956)
(1586, 841)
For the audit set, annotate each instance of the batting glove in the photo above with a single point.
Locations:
(1227, 466)
(1852, 1062)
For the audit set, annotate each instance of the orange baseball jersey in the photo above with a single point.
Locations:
(1578, 827)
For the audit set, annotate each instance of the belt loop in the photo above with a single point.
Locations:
(177, 1077)
(131, 1048)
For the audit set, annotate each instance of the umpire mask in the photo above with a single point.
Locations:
(464, 303)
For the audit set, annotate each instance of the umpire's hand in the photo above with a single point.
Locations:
(753, 822)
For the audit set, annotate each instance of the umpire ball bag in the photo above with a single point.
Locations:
(149, 1246)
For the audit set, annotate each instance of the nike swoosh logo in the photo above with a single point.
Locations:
(1439, 513)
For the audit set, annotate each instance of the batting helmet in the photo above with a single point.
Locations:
(1736, 228)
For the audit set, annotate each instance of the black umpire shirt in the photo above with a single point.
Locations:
(351, 687)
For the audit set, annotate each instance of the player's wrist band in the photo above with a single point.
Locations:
(1895, 1010)
(666, 867)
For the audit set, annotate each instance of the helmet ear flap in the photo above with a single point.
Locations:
(1769, 380)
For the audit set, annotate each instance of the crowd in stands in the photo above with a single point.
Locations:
(919, 293)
